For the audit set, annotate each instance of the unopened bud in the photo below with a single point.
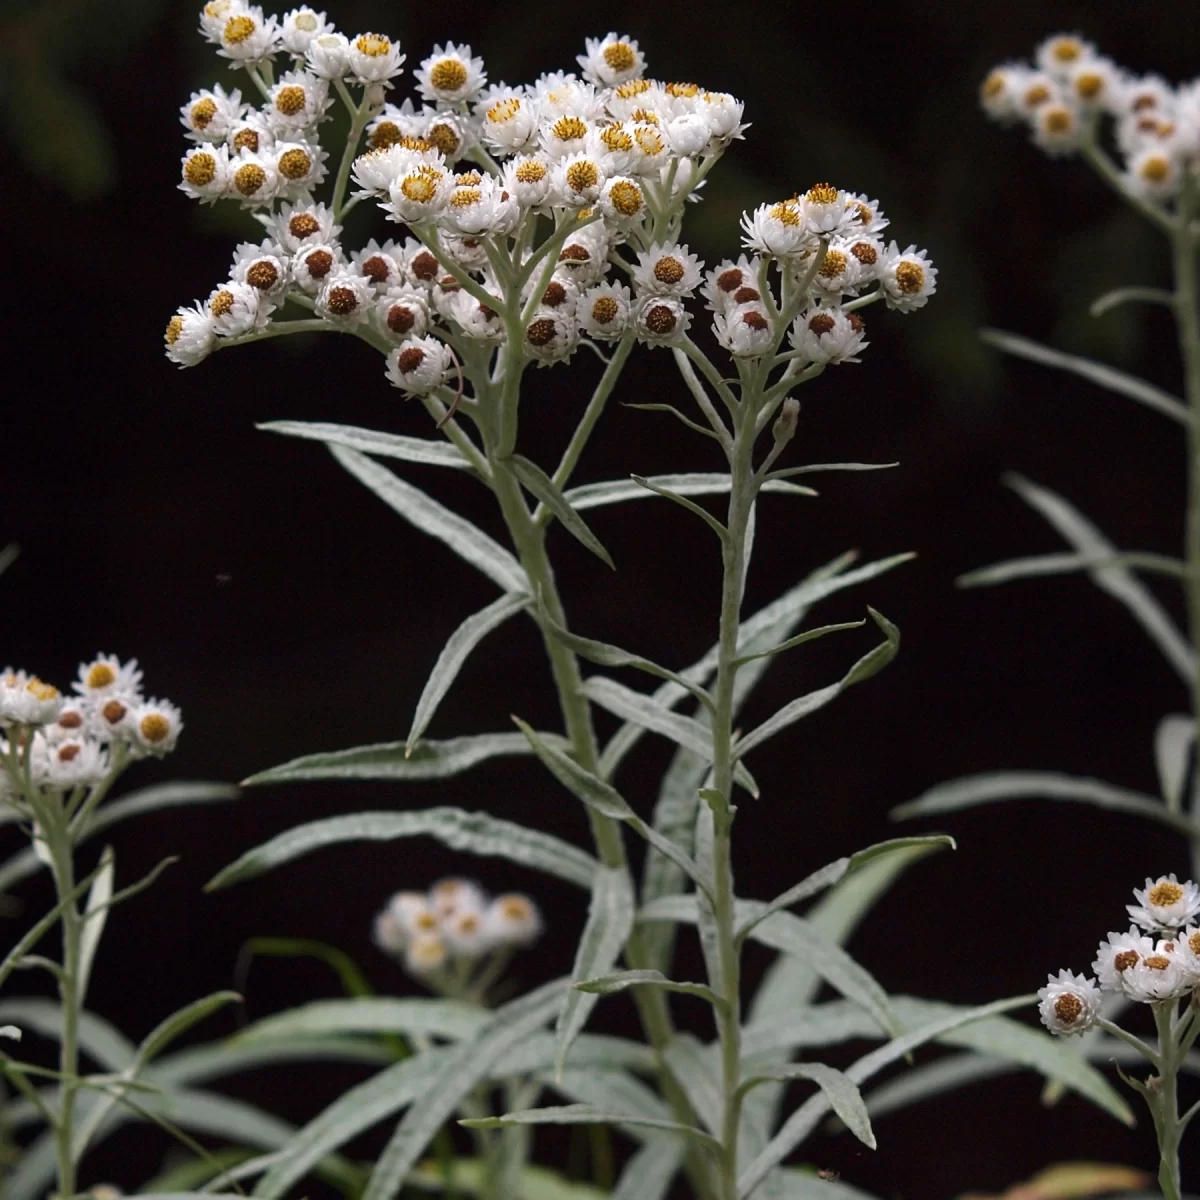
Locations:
(784, 428)
(375, 96)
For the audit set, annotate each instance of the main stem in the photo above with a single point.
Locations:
(63, 869)
(728, 986)
(1164, 1103)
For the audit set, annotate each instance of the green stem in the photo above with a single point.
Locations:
(360, 114)
(1164, 1104)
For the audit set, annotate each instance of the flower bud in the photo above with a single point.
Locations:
(784, 428)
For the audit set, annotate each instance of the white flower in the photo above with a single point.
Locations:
(1057, 128)
(247, 36)
(419, 365)
(1188, 946)
(209, 114)
(828, 335)
(780, 230)
(745, 331)
(667, 269)
(26, 700)
(551, 336)
(455, 304)
(373, 58)
(253, 133)
(870, 219)
(263, 266)
(603, 311)
(584, 254)
(407, 916)
(300, 166)
(297, 101)
(1000, 93)
(377, 170)
(312, 265)
(512, 920)
(1117, 953)
(402, 313)
(652, 149)
(722, 113)
(561, 95)
(611, 60)
(421, 194)
(908, 278)
(450, 75)
(299, 27)
(74, 763)
(622, 201)
(528, 178)
(561, 294)
(345, 299)
(1062, 53)
(156, 727)
(468, 252)
(1164, 903)
(1158, 976)
(687, 134)
(1093, 83)
(824, 207)
(238, 308)
(205, 173)
(1147, 94)
(253, 179)
(563, 135)
(465, 933)
(420, 264)
(426, 953)
(114, 715)
(214, 15)
(75, 720)
(840, 271)
(456, 895)
(189, 336)
(1152, 172)
(328, 55)
(1069, 1004)
(614, 147)
(730, 284)
(482, 208)
(661, 321)
(510, 121)
(576, 180)
(1037, 91)
(380, 265)
(106, 676)
(869, 254)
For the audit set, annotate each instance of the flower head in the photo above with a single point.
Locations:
(1069, 1003)
(1165, 904)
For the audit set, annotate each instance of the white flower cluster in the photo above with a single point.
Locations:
(1063, 94)
(1157, 960)
(607, 156)
(455, 922)
(57, 743)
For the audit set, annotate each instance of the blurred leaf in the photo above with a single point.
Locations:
(618, 981)
(1173, 744)
(353, 981)
(693, 483)
(372, 441)
(453, 1019)
(475, 1176)
(1073, 1181)
(648, 1174)
(583, 1114)
(8, 555)
(94, 920)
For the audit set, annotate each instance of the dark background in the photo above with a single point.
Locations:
(287, 611)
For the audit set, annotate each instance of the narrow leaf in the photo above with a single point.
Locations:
(799, 640)
(972, 790)
(607, 985)
(427, 515)
(1063, 564)
(818, 881)
(13, 958)
(453, 1019)
(542, 487)
(609, 922)
(644, 710)
(1104, 376)
(179, 1022)
(841, 1092)
(454, 654)
(388, 760)
(697, 1067)
(813, 468)
(690, 505)
(94, 920)
(372, 441)
(8, 555)
(694, 483)
(583, 1114)
(648, 1174)
(473, 833)
(1173, 743)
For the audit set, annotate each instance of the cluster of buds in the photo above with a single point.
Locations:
(1063, 94)
(455, 927)
(58, 743)
(1157, 961)
(603, 160)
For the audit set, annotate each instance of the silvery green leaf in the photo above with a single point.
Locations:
(609, 922)
(697, 1068)
(793, 1183)
(591, 1050)
(815, 468)
(806, 1025)
(1036, 565)
(648, 1174)
(200, 1064)
(8, 555)
(805, 1119)
(820, 879)
(455, 653)
(454, 1019)
(473, 833)
(467, 1065)
(972, 790)
(618, 981)
(98, 1039)
(388, 760)
(475, 1176)
(584, 1114)
(1118, 582)
(841, 1092)
(693, 483)
(615, 1091)
(690, 505)
(372, 441)
(543, 488)
(871, 663)
(798, 640)
(1173, 746)
(95, 917)
(427, 515)
(1104, 376)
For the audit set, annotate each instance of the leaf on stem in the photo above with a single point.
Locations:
(690, 505)
(13, 958)
(1038, 565)
(388, 760)
(543, 488)
(814, 468)
(841, 1092)
(426, 514)
(372, 441)
(693, 425)
(799, 640)
(648, 1174)
(1173, 745)
(618, 981)
(94, 920)
(471, 832)
(692, 483)
(584, 1114)
(453, 1019)
(454, 655)
(868, 665)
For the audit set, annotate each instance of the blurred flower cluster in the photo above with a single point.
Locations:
(542, 214)
(1063, 94)
(54, 742)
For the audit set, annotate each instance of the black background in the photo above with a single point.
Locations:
(288, 611)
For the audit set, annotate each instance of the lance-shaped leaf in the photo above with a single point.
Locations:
(1173, 747)
(372, 441)
(841, 1092)
(816, 468)
(1101, 374)
(584, 1114)
(454, 1019)
(466, 1067)
(613, 656)
(1064, 564)
(542, 487)
(796, 1183)
(648, 1174)
(972, 790)
(868, 665)
(476, 1177)
(780, 1034)
(95, 918)
(98, 1039)
(605, 933)
(693, 483)
(454, 654)
(690, 505)
(388, 760)
(697, 1067)
(474, 833)
(9, 555)
(427, 515)
(1119, 582)
(799, 640)
(618, 981)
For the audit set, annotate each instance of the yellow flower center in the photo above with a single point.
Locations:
(373, 45)
(532, 170)
(786, 212)
(568, 129)
(619, 57)
(1157, 962)
(626, 197)
(1089, 85)
(203, 112)
(1058, 120)
(910, 278)
(1125, 960)
(605, 310)
(669, 270)
(465, 197)
(993, 85)
(1068, 1008)
(295, 164)
(420, 187)
(582, 175)
(822, 193)
(504, 110)
(385, 134)
(834, 264)
(1155, 169)
(101, 675)
(447, 75)
(634, 87)
(290, 100)
(238, 29)
(1165, 893)
(864, 252)
(221, 303)
(174, 330)
(444, 138)
(1065, 50)
(249, 178)
(246, 139)
(687, 91)
(200, 170)
(41, 691)
(154, 727)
